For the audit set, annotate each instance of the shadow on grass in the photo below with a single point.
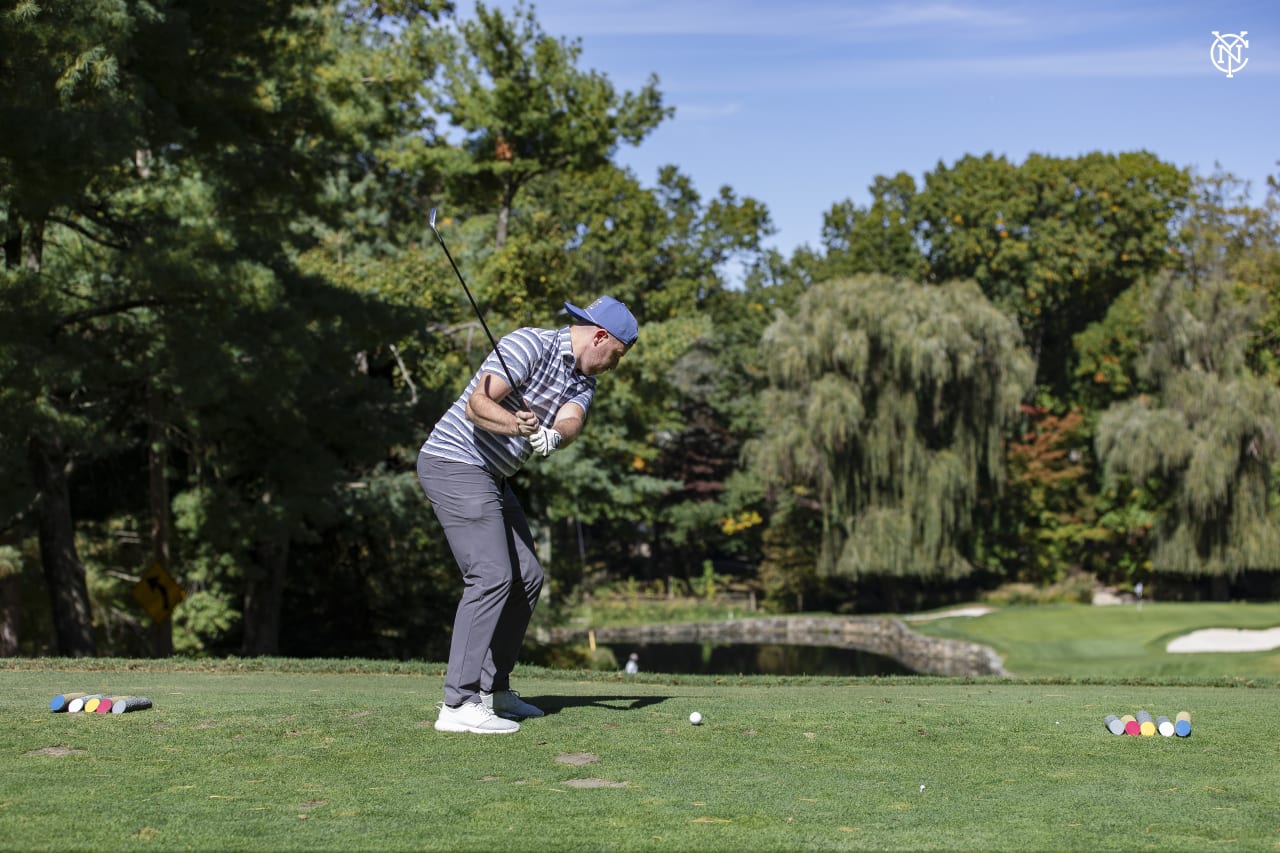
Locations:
(555, 704)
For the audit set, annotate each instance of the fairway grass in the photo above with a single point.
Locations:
(277, 755)
(1082, 641)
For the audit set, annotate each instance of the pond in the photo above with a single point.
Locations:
(756, 659)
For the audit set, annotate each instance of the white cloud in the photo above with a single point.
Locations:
(899, 15)
(1183, 59)
(852, 70)
(707, 112)
(818, 19)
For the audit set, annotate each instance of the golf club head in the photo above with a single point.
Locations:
(431, 219)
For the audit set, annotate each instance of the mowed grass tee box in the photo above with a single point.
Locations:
(246, 757)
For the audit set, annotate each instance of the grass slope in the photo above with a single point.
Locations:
(340, 755)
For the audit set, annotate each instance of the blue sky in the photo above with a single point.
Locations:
(801, 103)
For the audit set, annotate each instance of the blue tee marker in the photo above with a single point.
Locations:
(59, 703)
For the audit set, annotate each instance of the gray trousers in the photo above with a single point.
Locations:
(489, 535)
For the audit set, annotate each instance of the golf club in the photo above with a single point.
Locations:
(431, 220)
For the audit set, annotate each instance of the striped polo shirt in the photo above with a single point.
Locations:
(543, 367)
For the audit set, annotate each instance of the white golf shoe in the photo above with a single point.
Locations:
(473, 717)
(508, 705)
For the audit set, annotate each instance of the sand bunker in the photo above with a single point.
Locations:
(977, 610)
(1226, 640)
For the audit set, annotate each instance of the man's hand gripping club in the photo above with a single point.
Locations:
(545, 440)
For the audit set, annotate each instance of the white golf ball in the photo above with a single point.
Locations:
(695, 718)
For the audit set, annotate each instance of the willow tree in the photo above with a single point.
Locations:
(1208, 438)
(888, 404)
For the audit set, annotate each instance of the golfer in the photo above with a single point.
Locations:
(464, 465)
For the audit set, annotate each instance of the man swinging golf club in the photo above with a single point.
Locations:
(531, 395)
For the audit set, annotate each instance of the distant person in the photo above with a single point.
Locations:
(464, 465)
(633, 664)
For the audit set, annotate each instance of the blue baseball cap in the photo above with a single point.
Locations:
(611, 315)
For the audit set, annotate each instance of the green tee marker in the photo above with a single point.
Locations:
(1182, 726)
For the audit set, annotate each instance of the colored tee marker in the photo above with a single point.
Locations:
(1143, 724)
(75, 703)
(130, 703)
(104, 707)
(78, 703)
(60, 703)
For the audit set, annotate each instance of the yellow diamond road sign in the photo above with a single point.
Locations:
(158, 592)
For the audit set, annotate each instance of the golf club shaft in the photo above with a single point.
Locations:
(514, 389)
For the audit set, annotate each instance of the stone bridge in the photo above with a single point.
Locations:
(880, 635)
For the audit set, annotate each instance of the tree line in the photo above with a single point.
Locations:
(226, 331)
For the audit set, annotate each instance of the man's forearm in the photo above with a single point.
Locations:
(484, 409)
(569, 423)
(491, 417)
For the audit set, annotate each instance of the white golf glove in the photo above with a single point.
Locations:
(545, 440)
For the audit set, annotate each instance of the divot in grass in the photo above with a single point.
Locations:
(57, 751)
(593, 783)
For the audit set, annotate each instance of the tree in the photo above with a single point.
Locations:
(527, 110)
(1221, 238)
(1224, 235)
(1053, 241)
(1208, 437)
(1052, 524)
(878, 239)
(309, 352)
(72, 125)
(889, 401)
(176, 152)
